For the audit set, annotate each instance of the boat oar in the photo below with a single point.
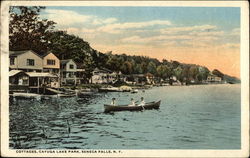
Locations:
(142, 107)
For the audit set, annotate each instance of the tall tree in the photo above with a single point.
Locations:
(152, 68)
(178, 73)
(218, 73)
(114, 63)
(127, 67)
(27, 30)
(193, 72)
(163, 71)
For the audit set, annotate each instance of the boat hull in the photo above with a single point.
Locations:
(151, 105)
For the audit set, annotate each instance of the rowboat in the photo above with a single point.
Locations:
(110, 89)
(149, 105)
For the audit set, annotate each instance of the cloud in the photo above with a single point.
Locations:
(235, 32)
(66, 18)
(160, 38)
(74, 30)
(152, 33)
(199, 28)
(119, 27)
(195, 36)
(85, 33)
(231, 45)
(69, 18)
(207, 33)
(98, 21)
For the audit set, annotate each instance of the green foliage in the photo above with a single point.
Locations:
(151, 68)
(218, 73)
(114, 63)
(67, 46)
(27, 30)
(163, 71)
(178, 72)
(126, 67)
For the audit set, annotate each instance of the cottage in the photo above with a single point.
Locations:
(103, 76)
(26, 60)
(18, 77)
(136, 79)
(80, 76)
(18, 81)
(51, 63)
(44, 79)
(150, 78)
(213, 78)
(26, 81)
(68, 71)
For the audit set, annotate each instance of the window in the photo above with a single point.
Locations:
(12, 61)
(71, 66)
(51, 62)
(30, 62)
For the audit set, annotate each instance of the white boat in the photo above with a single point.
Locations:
(110, 89)
(26, 95)
(135, 91)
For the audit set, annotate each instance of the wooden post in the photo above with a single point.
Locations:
(75, 77)
(38, 85)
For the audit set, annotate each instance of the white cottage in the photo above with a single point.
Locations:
(68, 69)
(103, 76)
(26, 60)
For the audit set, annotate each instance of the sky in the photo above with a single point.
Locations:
(207, 36)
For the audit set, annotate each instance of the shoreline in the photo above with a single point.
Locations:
(92, 89)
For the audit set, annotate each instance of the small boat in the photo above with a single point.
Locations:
(86, 92)
(134, 91)
(26, 95)
(110, 89)
(150, 105)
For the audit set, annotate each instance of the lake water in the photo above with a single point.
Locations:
(190, 117)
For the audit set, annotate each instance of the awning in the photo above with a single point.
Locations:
(14, 72)
(40, 74)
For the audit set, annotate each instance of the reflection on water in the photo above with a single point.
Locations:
(190, 117)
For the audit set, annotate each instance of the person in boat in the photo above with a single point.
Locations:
(113, 102)
(132, 102)
(142, 102)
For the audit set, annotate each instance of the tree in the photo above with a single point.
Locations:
(114, 63)
(151, 68)
(126, 67)
(27, 30)
(144, 67)
(185, 73)
(163, 71)
(67, 46)
(203, 73)
(138, 69)
(178, 73)
(193, 72)
(175, 64)
(218, 73)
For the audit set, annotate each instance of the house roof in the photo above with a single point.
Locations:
(17, 53)
(138, 75)
(103, 70)
(14, 72)
(40, 74)
(79, 65)
(63, 62)
(47, 53)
